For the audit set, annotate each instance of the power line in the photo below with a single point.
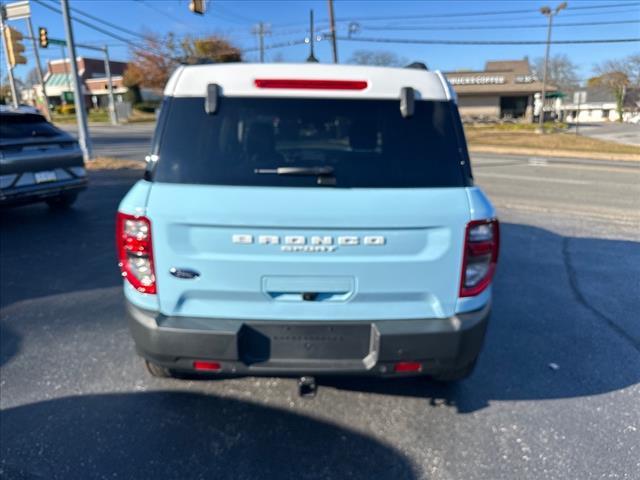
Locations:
(113, 26)
(485, 42)
(229, 13)
(417, 21)
(483, 14)
(492, 27)
(162, 12)
(94, 27)
(158, 52)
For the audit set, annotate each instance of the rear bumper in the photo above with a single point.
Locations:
(36, 193)
(250, 347)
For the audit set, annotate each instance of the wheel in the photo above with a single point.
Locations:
(157, 371)
(455, 375)
(62, 201)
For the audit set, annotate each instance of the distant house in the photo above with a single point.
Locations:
(92, 74)
(503, 90)
(600, 106)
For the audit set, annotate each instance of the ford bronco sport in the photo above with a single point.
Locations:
(308, 219)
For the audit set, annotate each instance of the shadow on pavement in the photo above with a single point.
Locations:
(564, 324)
(46, 252)
(164, 435)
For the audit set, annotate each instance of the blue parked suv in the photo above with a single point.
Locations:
(308, 219)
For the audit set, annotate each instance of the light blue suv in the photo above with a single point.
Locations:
(305, 219)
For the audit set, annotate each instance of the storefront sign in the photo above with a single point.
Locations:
(477, 80)
(526, 78)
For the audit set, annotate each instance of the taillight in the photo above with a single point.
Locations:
(135, 253)
(481, 244)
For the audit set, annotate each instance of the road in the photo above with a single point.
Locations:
(556, 393)
(615, 132)
(125, 141)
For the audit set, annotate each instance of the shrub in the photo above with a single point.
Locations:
(147, 107)
(67, 109)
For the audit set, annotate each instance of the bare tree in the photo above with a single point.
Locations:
(617, 76)
(278, 58)
(561, 71)
(377, 57)
(5, 90)
(32, 78)
(152, 66)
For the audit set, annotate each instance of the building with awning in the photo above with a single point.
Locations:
(503, 90)
(59, 82)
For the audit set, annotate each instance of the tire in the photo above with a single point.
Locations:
(62, 201)
(157, 371)
(455, 375)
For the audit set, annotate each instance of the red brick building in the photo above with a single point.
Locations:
(59, 83)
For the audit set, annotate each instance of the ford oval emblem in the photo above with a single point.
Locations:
(183, 273)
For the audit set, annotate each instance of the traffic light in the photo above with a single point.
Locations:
(15, 48)
(197, 6)
(44, 37)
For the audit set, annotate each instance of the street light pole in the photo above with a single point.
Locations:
(549, 14)
(81, 113)
(312, 57)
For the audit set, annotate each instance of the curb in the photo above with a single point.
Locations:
(624, 157)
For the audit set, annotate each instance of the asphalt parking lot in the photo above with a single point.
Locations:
(556, 393)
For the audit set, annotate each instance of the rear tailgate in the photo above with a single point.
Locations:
(384, 253)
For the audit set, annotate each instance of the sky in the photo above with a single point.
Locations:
(289, 22)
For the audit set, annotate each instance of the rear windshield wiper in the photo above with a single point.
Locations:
(303, 171)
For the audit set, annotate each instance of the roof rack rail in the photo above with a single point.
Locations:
(417, 66)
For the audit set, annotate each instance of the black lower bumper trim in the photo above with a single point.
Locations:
(270, 347)
(36, 193)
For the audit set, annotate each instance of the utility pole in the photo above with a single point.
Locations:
(311, 57)
(36, 54)
(546, 11)
(66, 67)
(112, 104)
(12, 80)
(81, 113)
(261, 30)
(334, 41)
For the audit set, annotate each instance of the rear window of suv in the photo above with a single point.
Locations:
(364, 143)
(25, 125)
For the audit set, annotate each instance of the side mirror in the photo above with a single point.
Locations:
(211, 101)
(407, 102)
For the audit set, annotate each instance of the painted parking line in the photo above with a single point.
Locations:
(531, 178)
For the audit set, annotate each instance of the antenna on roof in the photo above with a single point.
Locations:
(311, 58)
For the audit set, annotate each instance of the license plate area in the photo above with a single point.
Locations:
(45, 176)
(258, 343)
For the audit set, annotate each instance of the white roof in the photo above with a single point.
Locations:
(238, 80)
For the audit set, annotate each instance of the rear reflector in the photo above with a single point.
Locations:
(311, 84)
(407, 367)
(203, 366)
